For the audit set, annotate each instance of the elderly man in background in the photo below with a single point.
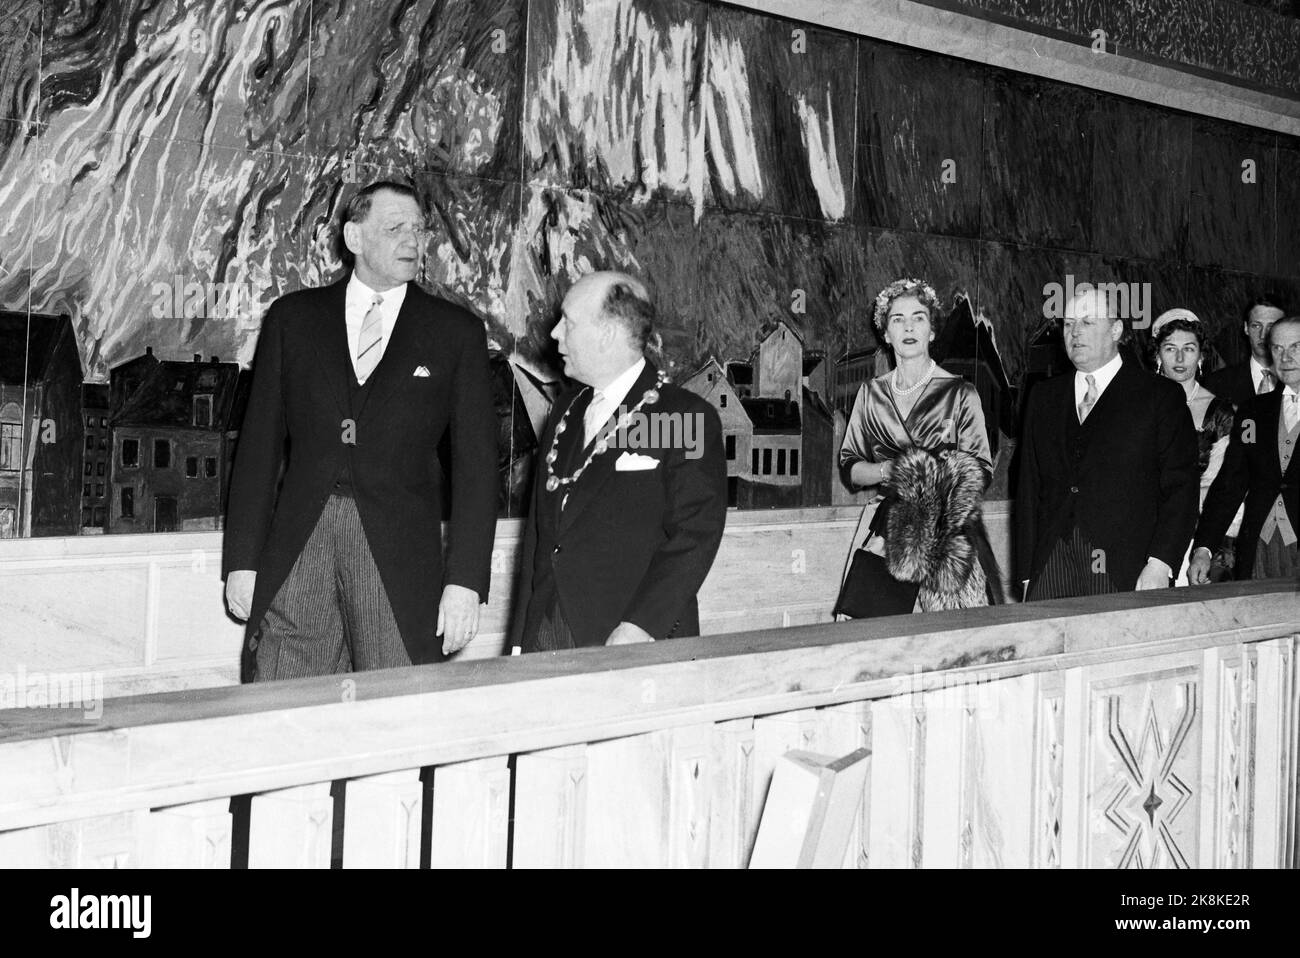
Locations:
(1108, 486)
(1261, 469)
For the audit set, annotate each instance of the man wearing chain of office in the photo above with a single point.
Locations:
(621, 532)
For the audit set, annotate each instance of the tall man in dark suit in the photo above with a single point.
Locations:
(631, 497)
(339, 566)
(1108, 468)
(1261, 468)
(1241, 381)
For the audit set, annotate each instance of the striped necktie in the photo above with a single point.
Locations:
(1089, 398)
(369, 342)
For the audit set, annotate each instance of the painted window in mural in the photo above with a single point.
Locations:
(11, 438)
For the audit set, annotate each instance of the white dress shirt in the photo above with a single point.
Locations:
(1101, 377)
(607, 402)
(357, 304)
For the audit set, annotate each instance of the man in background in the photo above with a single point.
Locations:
(1241, 381)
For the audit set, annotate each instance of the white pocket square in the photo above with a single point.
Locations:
(635, 462)
(421, 371)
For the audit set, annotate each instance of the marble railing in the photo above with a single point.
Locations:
(1154, 729)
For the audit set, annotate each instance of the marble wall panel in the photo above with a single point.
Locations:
(920, 157)
(1038, 162)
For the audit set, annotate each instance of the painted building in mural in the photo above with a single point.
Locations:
(711, 383)
(40, 426)
(778, 429)
(853, 368)
(172, 440)
(97, 458)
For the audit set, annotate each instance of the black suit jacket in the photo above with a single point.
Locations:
(1127, 477)
(629, 546)
(1232, 383)
(297, 417)
(1251, 472)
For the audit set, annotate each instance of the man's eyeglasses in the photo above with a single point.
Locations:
(1292, 351)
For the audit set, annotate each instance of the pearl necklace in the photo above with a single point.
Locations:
(553, 481)
(893, 382)
(1196, 389)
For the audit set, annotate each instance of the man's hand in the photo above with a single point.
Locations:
(457, 618)
(1154, 575)
(1198, 570)
(625, 633)
(239, 592)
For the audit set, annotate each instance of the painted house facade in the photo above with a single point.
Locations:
(96, 457)
(172, 441)
(40, 426)
(711, 383)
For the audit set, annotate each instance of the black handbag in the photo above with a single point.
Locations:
(870, 591)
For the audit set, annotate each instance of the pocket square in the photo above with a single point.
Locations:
(421, 372)
(635, 462)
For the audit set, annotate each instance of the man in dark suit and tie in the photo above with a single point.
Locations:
(1241, 381)
(1108, 484)
(630, 498)
(1261, 468)
(339, 565)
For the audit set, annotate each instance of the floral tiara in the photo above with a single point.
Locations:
(904, 287)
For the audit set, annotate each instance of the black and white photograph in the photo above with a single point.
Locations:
(650, 434)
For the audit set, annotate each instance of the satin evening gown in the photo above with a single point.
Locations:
(946, 415)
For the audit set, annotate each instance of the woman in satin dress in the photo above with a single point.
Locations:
(917, 404)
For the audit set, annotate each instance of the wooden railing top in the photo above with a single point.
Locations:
(56, 549)
(1021, 637)
(161, 749)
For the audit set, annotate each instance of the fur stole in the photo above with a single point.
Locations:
(935, 534)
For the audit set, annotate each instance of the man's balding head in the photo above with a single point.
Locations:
(607, 320)
(1284, 348)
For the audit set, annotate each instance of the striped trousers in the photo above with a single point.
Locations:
(1275, 560)
(553, 633)
(332, 614)
(1072, 568)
